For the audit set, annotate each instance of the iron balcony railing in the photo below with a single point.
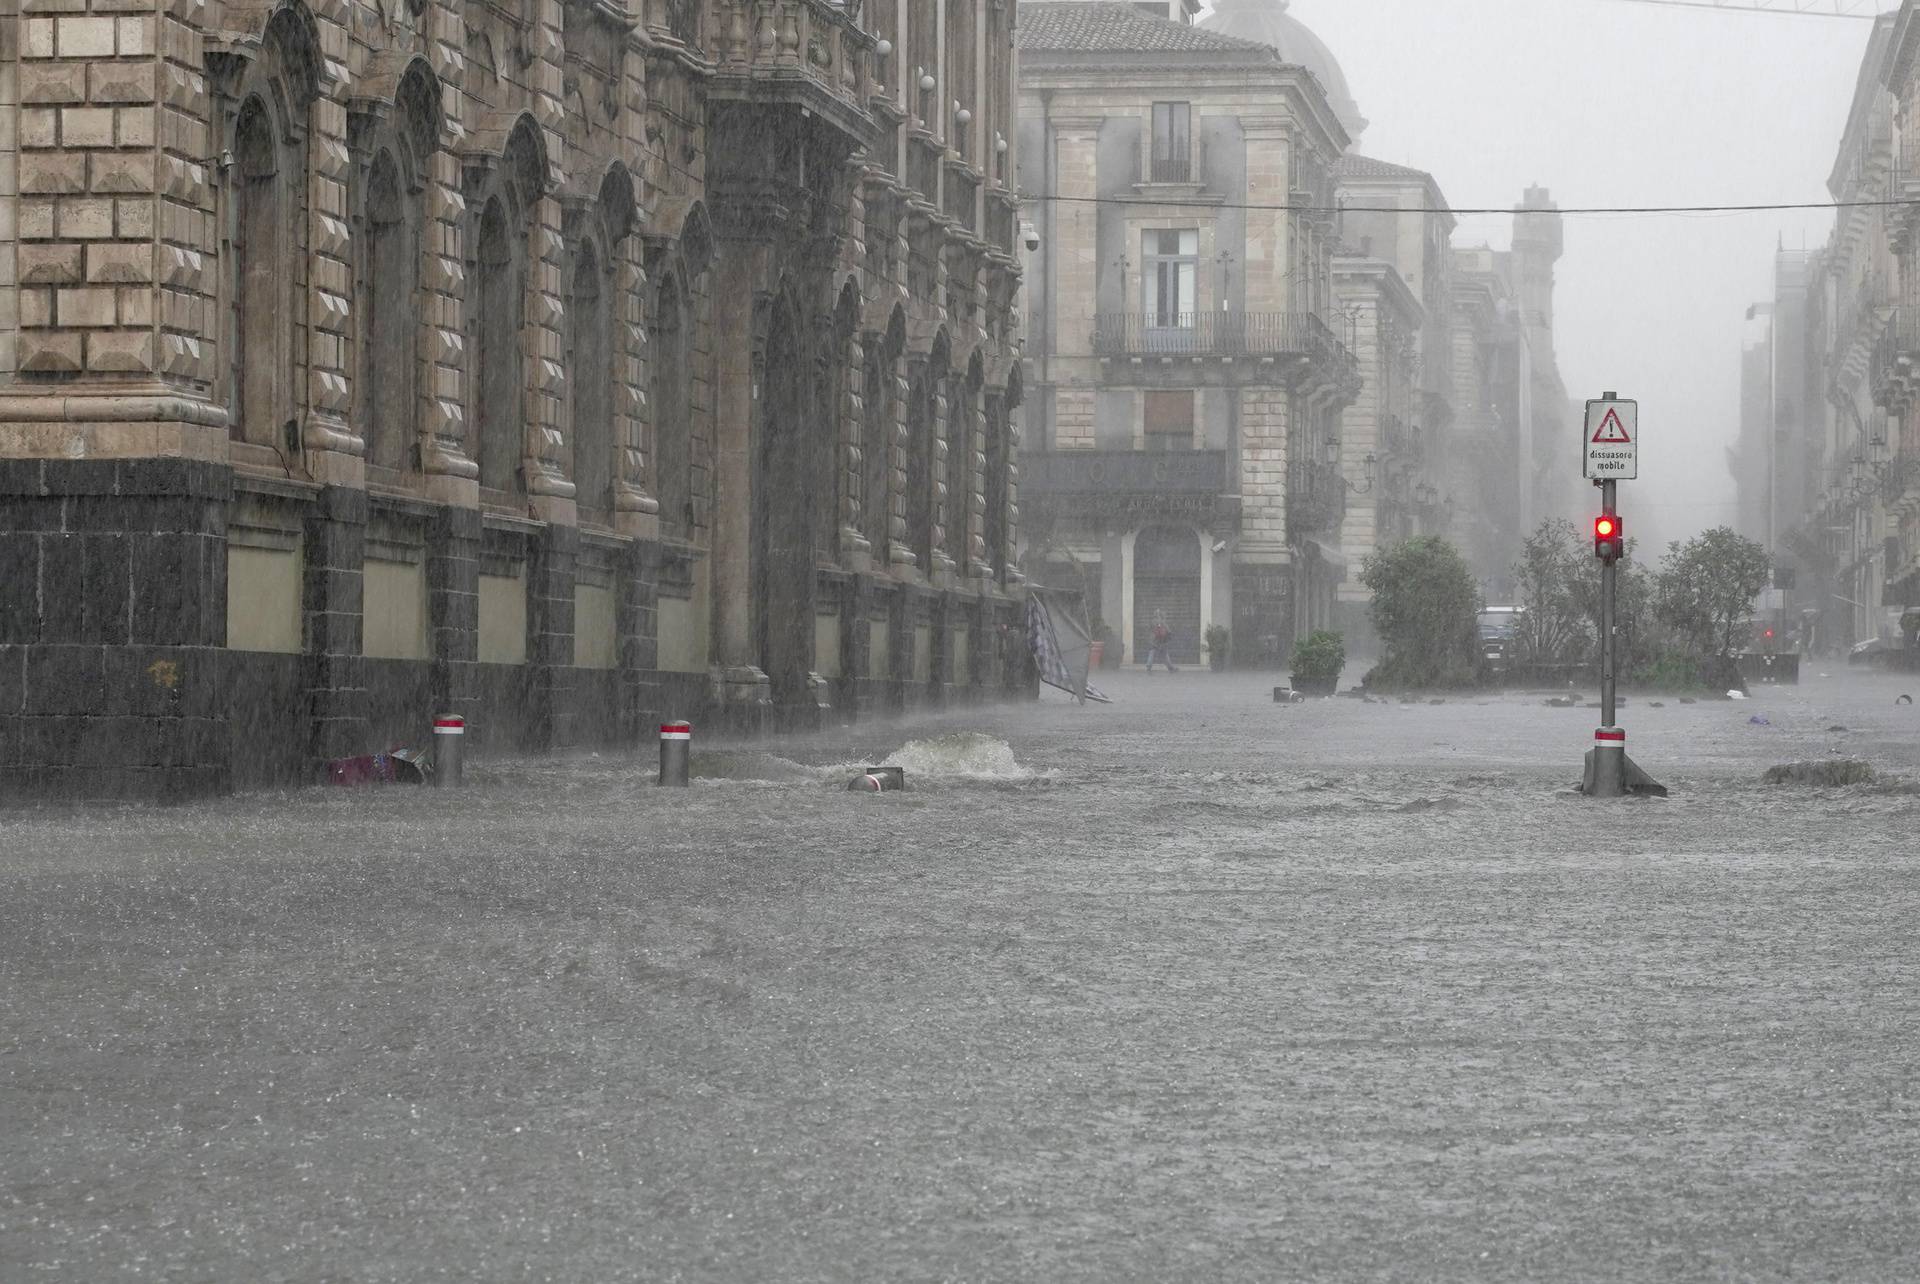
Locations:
(1171, 169)
(1316, 498)
(1891, 372)
(1213, 334)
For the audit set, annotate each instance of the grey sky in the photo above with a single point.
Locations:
(1610, 103)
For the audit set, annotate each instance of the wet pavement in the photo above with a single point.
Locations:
(1195, 987)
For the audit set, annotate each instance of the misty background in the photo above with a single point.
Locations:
(1614, 103)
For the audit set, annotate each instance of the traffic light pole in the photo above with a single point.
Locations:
(1609, 580)
(1609, 741)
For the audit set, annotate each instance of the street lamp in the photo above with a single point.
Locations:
(1363, 488)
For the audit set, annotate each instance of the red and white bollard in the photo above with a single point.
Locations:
(676, 748)
(449, 741)
(1609, 762)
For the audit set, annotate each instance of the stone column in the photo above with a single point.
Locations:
(639, 633)
(334, 553)
(1262, 559)
(336, 454)
(636, 510)
(940, 677)
(548, 489)
(453, 611)
(899, 556)
(854, 698)
(939, 568)
(1076, 248)
(735, 388)
(853, 546)
(1269, 267)
(550, 714)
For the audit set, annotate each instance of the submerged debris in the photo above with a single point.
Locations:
(1829, 774)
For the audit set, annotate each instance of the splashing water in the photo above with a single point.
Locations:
(963, 755)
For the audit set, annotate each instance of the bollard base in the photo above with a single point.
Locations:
(1605, 775)
(1632, 780)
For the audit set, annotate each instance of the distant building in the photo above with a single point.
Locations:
(1393, 279)
(1187, 364)
(1512, 454)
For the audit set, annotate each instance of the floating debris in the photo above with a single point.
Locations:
(1830, 774)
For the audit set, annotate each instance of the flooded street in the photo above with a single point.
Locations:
(1195, 987)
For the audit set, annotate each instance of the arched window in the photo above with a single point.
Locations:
(920, 431)
(835, 369)
(671, 399)
(503, 188)
(880, 400)
(389, 236)
(258, 257)
(994, 490)
(496, 370)
(876, 402)
(590, 378)
(260, 221)
(963, 408)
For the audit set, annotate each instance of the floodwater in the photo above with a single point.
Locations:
(1195, 987)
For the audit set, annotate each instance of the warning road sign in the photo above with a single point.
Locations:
(1612, 437)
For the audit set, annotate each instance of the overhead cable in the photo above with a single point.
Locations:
(1758, 207)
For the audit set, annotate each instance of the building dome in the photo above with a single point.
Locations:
(1267, 22)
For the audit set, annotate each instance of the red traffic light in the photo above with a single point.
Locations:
(1609, 545)
(1769, 632)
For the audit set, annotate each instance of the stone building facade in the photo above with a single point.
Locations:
(552, 363)
(1512, 457)
(1394, 279)
(1827, 465)
(1186, 381)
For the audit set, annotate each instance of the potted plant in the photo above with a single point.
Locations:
(1219, 646)
(1317, 661)
(1096, 650)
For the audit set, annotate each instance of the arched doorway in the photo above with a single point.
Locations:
(1166, 580)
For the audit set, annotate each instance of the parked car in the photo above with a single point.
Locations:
(1498, 625)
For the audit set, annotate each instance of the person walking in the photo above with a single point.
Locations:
(1160, 643)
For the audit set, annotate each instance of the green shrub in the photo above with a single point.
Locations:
(1320, 656)
(1426, 610)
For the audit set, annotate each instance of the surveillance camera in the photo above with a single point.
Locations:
(1030, 235)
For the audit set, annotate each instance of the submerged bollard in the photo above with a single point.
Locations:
(1608, 775)
(676, 747)
(878, 780)
(449, 743)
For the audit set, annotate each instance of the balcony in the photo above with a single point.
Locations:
(1904, 187)
(806, 53)
(1226, 335)
(1209, 334)
(1316, 500)
(1891, 372)
(1127, 485)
